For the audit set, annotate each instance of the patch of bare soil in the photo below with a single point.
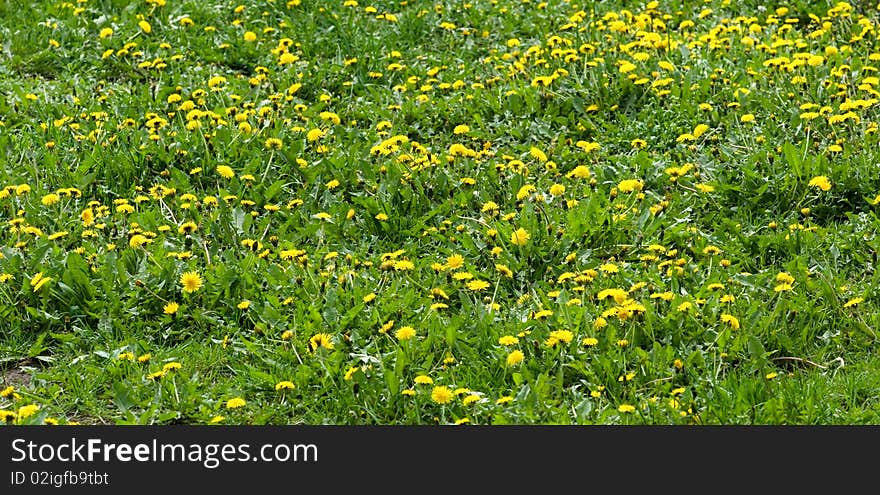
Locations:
(16, 377)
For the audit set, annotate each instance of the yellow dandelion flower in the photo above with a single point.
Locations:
(191, 281)
(187, 228)
(520, 237)
(557, 189)
(538, 154)
(287, 58)
(470, 399)
(609, 268)
(170, 308)
(853, 302)
(515, 357)
(138, 240)
(820, 181)
(386, 327)
(225, 171)
(544, 313)
(324, 340)
(27, 411)
(564, 336)
(630, 185)
(454, 262)
(88, 217)
(508, 340)
(350, 373)
(172, 366)
(405, 333)
(730, 320)
(423, 380)
(619, 295)
(442, 395)
(579, 172)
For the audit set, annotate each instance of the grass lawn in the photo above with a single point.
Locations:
(410, 212)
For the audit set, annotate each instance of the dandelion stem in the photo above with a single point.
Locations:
(150, 255)
(266, 230)
(478, 220)
(154, 294)
(205, 247)
(174, 386)
(494, 294)
(168, 209)
(292, 346)
(268, 166)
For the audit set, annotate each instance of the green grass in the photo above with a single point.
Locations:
(682, 263)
